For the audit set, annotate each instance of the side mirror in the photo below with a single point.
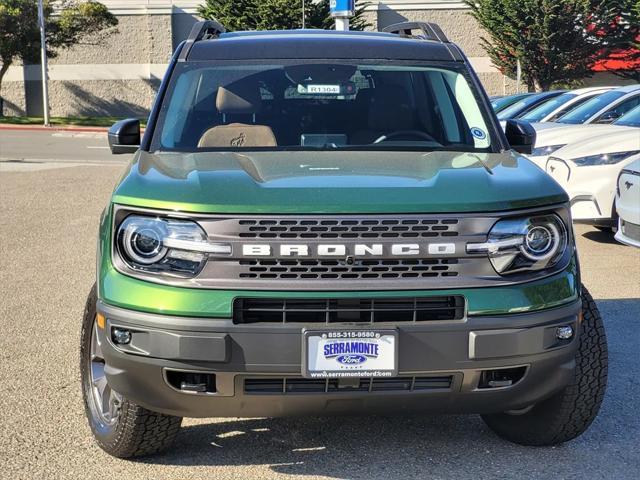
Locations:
(124, 136)
(520, 135)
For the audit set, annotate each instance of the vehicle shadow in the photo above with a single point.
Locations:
(429, 446)
(601, 237)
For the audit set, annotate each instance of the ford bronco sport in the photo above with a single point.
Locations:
(321, 222)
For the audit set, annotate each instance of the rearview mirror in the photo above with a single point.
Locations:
(124, 136)
(520, 135)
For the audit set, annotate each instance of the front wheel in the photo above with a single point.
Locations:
(570, 412)
(121, 428)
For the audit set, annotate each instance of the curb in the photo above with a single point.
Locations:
(55, 128)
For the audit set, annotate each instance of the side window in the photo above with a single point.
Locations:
(619, 110)
(564, 110)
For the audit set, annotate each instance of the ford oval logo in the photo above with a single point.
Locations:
(351, 359)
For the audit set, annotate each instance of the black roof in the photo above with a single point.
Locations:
(311, 44)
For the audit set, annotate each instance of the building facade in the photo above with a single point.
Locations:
(119, 75)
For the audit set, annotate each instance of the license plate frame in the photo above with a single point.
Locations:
(380, 358)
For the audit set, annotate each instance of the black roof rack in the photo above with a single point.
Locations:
(429, 31)
(205, 30)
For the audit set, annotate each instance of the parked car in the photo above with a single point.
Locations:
(605, 108)
(321, 222)
(552, 139)
(562, 104)
(500, 103)
(527, 103)
(628, 204)
(588, 171)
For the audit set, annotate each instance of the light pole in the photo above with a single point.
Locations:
(43, 57)
(304, 17)
(342, 10)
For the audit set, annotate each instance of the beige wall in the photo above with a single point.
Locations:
(14, 98)
(116, 76)
(457, 24)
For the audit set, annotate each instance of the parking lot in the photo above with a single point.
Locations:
(52, 190)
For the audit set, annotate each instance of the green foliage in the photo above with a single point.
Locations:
(275, 14)
(557, 41)
(75, 22)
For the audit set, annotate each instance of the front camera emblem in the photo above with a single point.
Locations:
(628, 185)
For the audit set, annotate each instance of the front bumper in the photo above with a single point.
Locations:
(628, 233)
(591, 189)
(457, 350)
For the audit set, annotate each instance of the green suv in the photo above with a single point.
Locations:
(321, 222)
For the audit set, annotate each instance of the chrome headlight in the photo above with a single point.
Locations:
(165, 245)
(526, 243)
(603, 158)
(543, 151)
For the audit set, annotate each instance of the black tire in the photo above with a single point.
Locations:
(569, 413)
(136, 431)
(613, 228)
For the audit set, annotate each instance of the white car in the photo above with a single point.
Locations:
(558, 106)
(588, 171)
(628, 204)
(605, 108)
(549, 140)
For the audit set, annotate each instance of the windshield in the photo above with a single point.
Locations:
(589, 108)
(525, 104)
(231, 106)
(541, 111)
(499, 104)
(630, 119)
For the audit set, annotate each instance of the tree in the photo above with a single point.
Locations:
(556, 41)
(74, 22)
(629, 54)
(275, 14)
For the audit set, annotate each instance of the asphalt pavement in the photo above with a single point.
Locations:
(51, 196)
(42, 146)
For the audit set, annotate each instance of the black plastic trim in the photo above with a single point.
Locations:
(145, 145)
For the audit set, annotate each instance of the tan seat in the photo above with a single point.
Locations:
(238, 135)
(239, 98)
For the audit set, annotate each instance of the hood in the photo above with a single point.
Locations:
(335, 182)
(573, 133)
(623, 139)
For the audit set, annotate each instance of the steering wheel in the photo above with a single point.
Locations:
(400, 133)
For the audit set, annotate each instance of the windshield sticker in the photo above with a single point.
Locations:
(478, 133)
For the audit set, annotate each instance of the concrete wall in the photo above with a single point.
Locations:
(97, 79)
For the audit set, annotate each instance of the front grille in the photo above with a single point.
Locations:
(297, 385)
(347, 228)
(350, 310)
(631, 230)
(339, 269)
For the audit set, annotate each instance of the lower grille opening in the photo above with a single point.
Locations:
(350, 310)
(500, 378)
(191, 382)
(298, 385)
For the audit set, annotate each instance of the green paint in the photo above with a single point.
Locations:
(336, 182)
(126, 292)
(356, 182)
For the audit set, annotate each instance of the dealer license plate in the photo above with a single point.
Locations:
(350, 353)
